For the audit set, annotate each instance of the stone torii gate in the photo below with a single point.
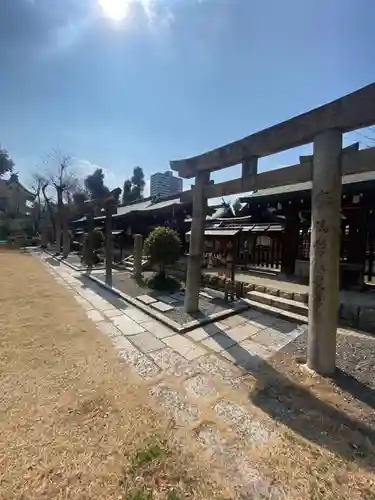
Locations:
(324, 126)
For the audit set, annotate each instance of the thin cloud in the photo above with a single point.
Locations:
(82, 168)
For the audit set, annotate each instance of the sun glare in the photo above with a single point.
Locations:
(115, 9)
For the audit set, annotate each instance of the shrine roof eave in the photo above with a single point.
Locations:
(364, 181)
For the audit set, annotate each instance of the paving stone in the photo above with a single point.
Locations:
(100, 304)
(167, 299)
(212, 328)
(218, 342)
(257, 349)
(264, 320)
(127, 326)
(197, 334)
(171, 362)
(200, 387)
(215, 366)
(176, 403)
(185, 347)
(160, 306)
(283, 326)
(121, 343)
(146, 342)
(243, 422)
(83, 302)
(137, 315)
(239, 356)
(209, 436)
(158, 329)
(234, 321)
(112, 313)
(109, 329)
(94, 315)
(141, 363)
(146, 299)
(242, 332)
(236, 467)
(273, 339)
(221, 326)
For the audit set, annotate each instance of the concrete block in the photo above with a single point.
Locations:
(301, 297)
(286, 295)
(248, 287)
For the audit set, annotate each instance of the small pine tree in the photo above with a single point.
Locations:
(162, 247)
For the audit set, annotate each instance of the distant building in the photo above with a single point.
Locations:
(14, 197)
(164, 184)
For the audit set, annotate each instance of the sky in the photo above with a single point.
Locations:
(120, 83)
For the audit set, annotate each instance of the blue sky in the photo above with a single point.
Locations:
(172, 78)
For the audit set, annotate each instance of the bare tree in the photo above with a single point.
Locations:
(59, 178)
(36, 187)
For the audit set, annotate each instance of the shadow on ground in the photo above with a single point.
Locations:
(105, 294)
(279, 390)
(279, 393)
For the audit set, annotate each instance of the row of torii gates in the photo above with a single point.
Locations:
(324, 127)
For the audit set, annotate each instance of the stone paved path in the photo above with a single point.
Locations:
(199, 377)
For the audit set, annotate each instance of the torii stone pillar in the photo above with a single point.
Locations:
(65, 234)
(325, 252)
(137, 254)
(108, 245)
(193, 275)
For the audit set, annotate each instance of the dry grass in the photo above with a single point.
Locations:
(73, 422)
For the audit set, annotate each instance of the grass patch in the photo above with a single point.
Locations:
(152, 453)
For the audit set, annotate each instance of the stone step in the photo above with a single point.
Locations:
(276, 311)
(278, 292)
(279, 302)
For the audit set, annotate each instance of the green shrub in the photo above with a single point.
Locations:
(162, 247)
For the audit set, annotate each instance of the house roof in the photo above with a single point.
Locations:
(307, 186)
(9, 183)
(146, 205)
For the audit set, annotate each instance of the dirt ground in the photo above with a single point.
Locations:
(73, 422)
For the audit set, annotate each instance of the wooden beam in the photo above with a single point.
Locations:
(351, 112)
(353, 162)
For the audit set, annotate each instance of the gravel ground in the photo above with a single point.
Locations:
(336, 413)
(130, 286)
